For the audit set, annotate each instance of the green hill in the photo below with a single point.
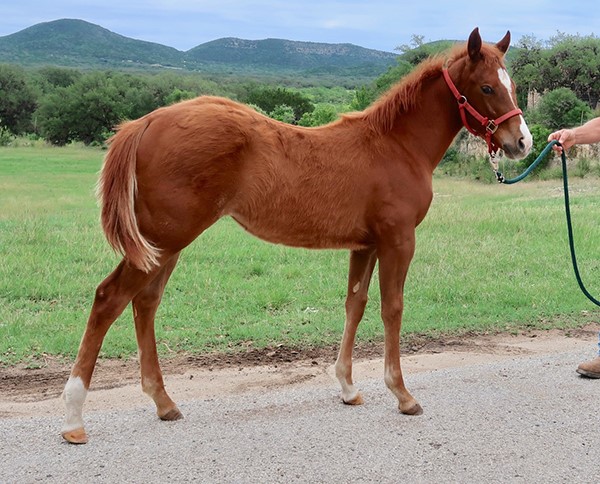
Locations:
(76, 43)
(287, 54)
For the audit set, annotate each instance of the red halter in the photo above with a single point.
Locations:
(491, 125)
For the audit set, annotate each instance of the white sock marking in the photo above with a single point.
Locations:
(74, 396)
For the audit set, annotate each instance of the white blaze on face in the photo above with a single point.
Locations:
(507, 83)
(505, 80)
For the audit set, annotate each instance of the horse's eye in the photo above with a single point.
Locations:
(487, 90)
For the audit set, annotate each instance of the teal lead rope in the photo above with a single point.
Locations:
(531, 167)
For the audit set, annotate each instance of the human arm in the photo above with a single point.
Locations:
(584, 134)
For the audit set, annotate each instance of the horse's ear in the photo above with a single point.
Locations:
(504, 43)
(474, 45)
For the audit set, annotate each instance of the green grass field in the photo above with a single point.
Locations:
(489, 258)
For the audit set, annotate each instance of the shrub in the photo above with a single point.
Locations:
(270, 99)
(283, 113)
(6, 136)
(559, 108)
(323, 114)
(583, 167)
(465, 166)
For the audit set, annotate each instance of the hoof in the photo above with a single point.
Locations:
(173, 414)
(76, 436)
(414, 410)
(357, 400)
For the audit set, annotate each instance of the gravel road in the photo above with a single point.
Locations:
(520, 419)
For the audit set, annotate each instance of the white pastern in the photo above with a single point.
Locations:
(74, 396)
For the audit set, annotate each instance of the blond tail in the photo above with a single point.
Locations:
(116, 190)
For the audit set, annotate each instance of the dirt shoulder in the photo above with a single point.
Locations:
(35, 392)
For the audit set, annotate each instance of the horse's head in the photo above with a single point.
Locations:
(486, 97)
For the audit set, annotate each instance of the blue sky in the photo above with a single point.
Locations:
(375, 24)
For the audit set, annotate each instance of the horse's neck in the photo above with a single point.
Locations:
(431, 126)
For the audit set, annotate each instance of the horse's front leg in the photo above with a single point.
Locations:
(394, 260)
(359, 276)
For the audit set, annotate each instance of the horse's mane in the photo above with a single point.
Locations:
(405, 94)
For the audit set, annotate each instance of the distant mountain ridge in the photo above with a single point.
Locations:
(285, 52)
(77, 43)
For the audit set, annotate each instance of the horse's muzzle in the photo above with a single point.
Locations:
(518, 150)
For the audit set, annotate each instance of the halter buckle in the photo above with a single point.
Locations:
(491, 126)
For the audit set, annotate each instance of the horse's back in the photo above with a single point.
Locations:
(210, 157)
(210, 126)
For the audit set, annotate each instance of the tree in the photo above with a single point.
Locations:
(54, 118)
(525, 67)
(559, 108)
(392, 76)
(577, 62)
(269, 98)
(49, 78)
(416, 41)
(569, 61)
(97, 108)
(364, 96)
(91, 107)
(134, 95)
(323, 114)
(417, 51)
(17, 100)
(283, 113)
(179, 95)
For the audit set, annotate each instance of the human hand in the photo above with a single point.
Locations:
(565, 137)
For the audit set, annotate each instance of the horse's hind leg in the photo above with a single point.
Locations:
(359, 277)
(145, 305)
(112, 297)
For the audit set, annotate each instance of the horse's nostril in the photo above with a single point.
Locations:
(521, 144)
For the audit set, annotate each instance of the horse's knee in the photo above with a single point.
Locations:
(148, 298)
(356, 301)
(391, 313)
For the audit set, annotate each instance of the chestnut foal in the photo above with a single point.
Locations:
(361, 183)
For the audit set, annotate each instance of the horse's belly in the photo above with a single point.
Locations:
(306, 233)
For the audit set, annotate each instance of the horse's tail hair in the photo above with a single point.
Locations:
(116, 192)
